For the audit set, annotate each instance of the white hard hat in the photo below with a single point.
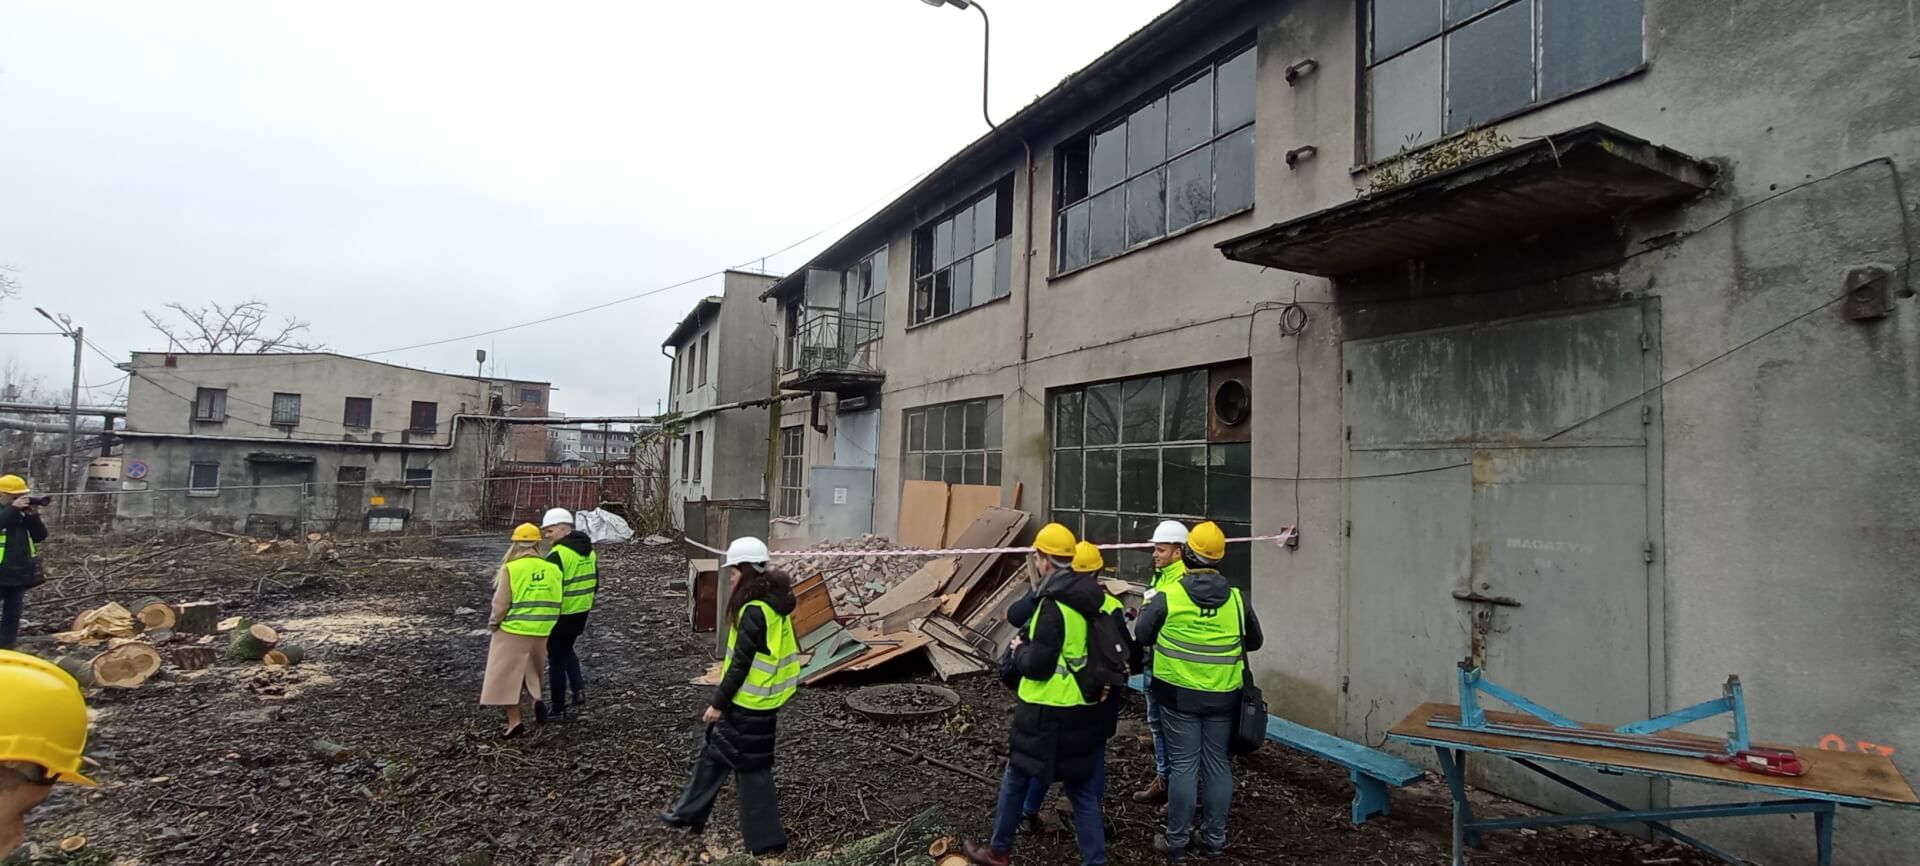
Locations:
(556, 516)
(1170, 532)
(748, 549)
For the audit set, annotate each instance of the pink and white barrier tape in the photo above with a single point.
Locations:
(1284, 536)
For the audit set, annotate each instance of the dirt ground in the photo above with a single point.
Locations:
(214, 767)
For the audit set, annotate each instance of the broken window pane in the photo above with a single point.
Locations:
(993, 467)
(993, 424)
(916, 431)
(956, 427)
(1234, 82)
(1073, 237)
(1146, 207)
(942, 293)
(985, 214)
(1406, 101)
(983, 265)
(1233, 172)
(1399, 24)
(1002, 267)
(1186, 406)
(1103, 414)
(1230, 482)
(1140, 480)
(975, 414)
(1190, 114)
(963, 285)
(1461, 10)
(1490, 71)
(963, 234)
(1147, 137)
(922, 253)
(1140, 410)
(1183, 481)
(1109, 228)
(1190, 189)
(974, 469)
(1067, 420)
(1103, 479)
(1109, 164)
(1067, 478)
(1102, 529)
(1585, 42)
(1073, 170)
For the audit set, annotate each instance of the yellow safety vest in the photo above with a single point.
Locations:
(33, 550)
(579, 577)
(535, 583)
(1061, 689)
(1165, 577)
(1200, 648)
(775, 675)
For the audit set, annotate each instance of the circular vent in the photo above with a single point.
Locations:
(1232, 403)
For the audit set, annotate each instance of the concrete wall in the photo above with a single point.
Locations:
(160, 397)
(739, 356)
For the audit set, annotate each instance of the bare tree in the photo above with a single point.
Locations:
(9, 287)
(243, 328)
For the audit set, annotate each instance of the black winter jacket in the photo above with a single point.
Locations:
(20, 568)
(581, 543)
(1056, 743)
(1021, 610)
(1208, 589)
(745, 738)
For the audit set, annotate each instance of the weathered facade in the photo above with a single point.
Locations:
(723, 355)
(524, 443)
(283, 444)
(1629, 339)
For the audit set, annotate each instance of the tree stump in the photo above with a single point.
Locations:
(198, 617)
(194, 658)
(126, 665)
(152, 613)
(79, 667)
(285, 654)
(250, 641)
(329, 752)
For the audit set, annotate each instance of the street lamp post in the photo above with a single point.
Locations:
(986, 49)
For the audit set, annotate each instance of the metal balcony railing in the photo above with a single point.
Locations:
(835, 343)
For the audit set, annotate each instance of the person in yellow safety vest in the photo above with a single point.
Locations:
(571, 550)
(43, 732)
(762, 673)
(1200, 631)
(21, 533)
(1057, 734)
(1169, 565)
(526, 604)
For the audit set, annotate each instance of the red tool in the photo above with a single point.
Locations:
(1767, 762)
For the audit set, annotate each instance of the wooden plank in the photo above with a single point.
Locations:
(949, 664)
(902, 619)
(965, 504)
(1833, 774)
(812, 605)
(923, 584)
(923, 514)
(995, 528)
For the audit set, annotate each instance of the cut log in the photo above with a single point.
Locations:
(109, 620)
(79, 667)
(154, 613)
(250, 641)
(330, 752)
(159, 636)
(126, 665)
(196, 617)
(285, 654)
(194, 658)
(73, 844)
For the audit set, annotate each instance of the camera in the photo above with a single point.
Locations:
(34, 501)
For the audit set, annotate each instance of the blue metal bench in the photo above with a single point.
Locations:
(1373, 772)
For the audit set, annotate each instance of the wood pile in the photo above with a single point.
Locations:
(113, 646)
(852, 582)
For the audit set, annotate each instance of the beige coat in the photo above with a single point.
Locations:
(514, 661)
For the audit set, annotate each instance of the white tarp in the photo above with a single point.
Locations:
(604, 527)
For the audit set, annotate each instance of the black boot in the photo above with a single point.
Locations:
(540, 711)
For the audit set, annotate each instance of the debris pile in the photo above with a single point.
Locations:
(109, 646)
(855, 581)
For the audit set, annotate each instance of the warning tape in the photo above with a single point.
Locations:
(1285, 535)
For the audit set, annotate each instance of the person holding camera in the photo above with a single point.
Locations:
(20, 535)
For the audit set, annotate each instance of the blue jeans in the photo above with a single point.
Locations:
(1018, 790)
(1154, 726)
(1197, 747)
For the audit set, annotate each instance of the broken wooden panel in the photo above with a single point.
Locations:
(995, 528)
(812, 606)
(829, 647)
(923, 584)
(949, 664)
(923, 514)
(965, 504)
(703, 584)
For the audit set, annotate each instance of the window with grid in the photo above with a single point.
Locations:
(792, 445)
(210, 404)
(358, 414)
(1437, 67)
(1129, 454)
(1182, 159)
(866, 289)
(965, 257)
(425, 417)
(203, 479)
(286, 410)
(958, 443)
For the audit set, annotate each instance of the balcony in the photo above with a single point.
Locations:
(834, 352)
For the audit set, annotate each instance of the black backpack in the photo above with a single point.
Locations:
(1106, 667)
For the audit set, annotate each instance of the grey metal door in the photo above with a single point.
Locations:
(840, 503)
(1511, 525)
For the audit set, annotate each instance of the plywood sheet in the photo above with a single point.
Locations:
(813, 606)
(921, 585)
(923, 514)
(949, 664)
(965, 504)
(996, 527)
(1842, 774)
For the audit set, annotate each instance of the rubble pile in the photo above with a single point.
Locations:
(854, 582)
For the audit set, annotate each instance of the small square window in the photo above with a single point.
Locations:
(425, 417)
(203, 479)
(359, 413)
(210, 404)
(286, 410)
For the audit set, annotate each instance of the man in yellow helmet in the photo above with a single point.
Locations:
(1199, 630)
(1057, 733)
(21, 533)
(43, 730)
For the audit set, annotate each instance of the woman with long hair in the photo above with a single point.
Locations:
(526, 604)
(762, 673)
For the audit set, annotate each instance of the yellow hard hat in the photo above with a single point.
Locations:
(1087, 559)
(1054, 540)
(1208, 542)
(44, 718)
(526, 532)
(13, 485)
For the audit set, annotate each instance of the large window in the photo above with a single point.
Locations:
(1437, 67)
(425, 417)
(210, 404)
(358, 414)
(792, 445)
(1181, 159)
(286, 410)
(1129, 454)
(958, 443)
(965, 257)
(866, 291)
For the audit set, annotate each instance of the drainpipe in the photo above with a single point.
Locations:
(1026, 267)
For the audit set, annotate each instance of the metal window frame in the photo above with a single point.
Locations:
(908, 454)
(194, 489)
(923, 234)
(792, 469)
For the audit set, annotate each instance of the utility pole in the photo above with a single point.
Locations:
(78, 335)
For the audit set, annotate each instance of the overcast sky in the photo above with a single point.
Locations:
(402, 172)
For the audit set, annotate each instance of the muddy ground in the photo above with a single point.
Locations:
(213, 767)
